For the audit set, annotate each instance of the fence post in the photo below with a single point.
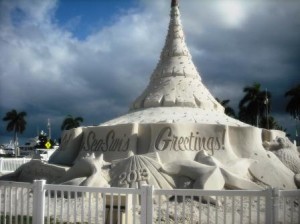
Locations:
(269, 206)
(38, 202)
(146, 204)
(275, 193)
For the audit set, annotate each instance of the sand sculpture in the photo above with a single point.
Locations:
(176, 135)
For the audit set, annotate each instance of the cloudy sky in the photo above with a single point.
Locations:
(92, 58)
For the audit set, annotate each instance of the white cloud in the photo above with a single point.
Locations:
(233, 12)
(45, 69)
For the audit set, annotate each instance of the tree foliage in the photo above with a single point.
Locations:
(16, 123)
(254, 105)
(293, 105)
(71, 122)
(269, 123)
(228, 110)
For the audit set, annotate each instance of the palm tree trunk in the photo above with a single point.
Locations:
(257, 114)
(16, 145)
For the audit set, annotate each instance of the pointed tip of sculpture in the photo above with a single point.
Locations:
(174, 3)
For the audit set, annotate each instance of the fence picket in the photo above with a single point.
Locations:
(258, 206)
(27, 210)
(61, 206)
(68, 207)
(10, 204)
(168, 212)
(111, 207)
(242, 208)
(119, 209)
(55, 204)
(192, 210)
(22, 204)
(233, 209)
(134, 208)
(298, 208)
(183, 207)
(250, 204)
(75, 207)
(48, 207)
(159, 208)
(16, 204)
(126, 210)
(97, 208)
(225, 202)
(208, 209)
(217, 201)
(200, 209)
(90, 208)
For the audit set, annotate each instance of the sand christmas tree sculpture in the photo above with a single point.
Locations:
(175, 135)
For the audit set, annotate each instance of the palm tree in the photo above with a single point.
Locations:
(269, 123)
(254, 105)
(71, 122)
(228, 110)
(16, 123)
(293, 106)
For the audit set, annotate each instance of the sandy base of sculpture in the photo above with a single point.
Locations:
(206, 156)
(36, 170)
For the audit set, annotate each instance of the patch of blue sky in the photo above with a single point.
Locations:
(83, 17)
(18, 16)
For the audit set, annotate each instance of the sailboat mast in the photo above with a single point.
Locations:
(49, 128)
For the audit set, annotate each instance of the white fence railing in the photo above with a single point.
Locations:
(287, 206)
(11, 164)
(45, 203)
(199, 206)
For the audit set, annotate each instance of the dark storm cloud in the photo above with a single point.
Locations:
(49, 73)
(264, 49)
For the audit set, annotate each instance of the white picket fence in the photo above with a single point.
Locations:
(8, 165)
(41, 203)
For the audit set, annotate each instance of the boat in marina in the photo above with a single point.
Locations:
(40, 147)
(7, 149)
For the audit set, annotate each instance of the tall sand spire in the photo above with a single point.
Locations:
(175, 81)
